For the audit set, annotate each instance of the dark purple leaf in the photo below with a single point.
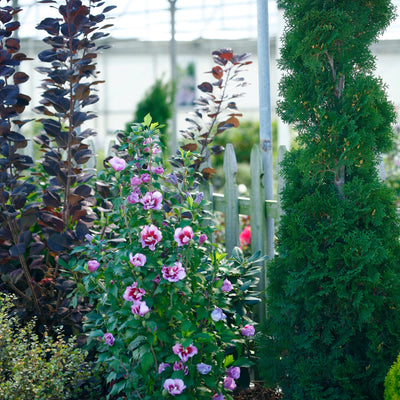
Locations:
(109, 8)
(51, 199)
(12, 26)
(51, 126)
(12, 45)
(17, 250)
(50, 25)
(58, 242)
(205, 87)
(20, 77)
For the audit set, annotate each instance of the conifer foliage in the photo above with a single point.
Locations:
(333, 299)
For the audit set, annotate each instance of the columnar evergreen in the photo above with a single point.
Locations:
(333, 325)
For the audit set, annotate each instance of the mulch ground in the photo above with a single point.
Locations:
(257, 392)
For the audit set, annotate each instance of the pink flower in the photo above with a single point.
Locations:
(180, 366)
(174, 386)
(137, 260)
(118, 164)
(229, 383)
(139, 308)
(150, 236)
(162, 367)
(136, 181)
(218, 396)
(133, 293)
(152, 200)
(184, 354)
(202, 238)
(93, 265)
(248, 330)
(174, 273)
(226, 286)
(183, 236)
(157, 279)
(245, 236)
(145, 178)
(233, 372)
(109, 339)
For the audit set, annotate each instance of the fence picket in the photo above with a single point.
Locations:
(231, 200)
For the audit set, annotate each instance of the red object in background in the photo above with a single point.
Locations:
(245, 236)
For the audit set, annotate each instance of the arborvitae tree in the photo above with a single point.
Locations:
(333, 318)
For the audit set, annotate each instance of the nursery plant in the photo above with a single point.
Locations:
(172, 312)
(333, 298)
(44, 214)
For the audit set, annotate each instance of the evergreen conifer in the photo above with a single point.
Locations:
(333, 317)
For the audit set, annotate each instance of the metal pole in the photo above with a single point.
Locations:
(174, 78)
(265, 111)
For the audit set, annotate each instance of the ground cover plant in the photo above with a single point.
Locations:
(333, 300)
(34, 369)
(172, 313)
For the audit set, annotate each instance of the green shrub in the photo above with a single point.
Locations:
(333, 318)
(37, 370)
(392, 382)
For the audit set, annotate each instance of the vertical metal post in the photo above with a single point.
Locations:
(174, 78)
(265, 110)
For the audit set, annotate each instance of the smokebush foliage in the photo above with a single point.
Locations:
(333, 300)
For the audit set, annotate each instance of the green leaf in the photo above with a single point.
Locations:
(147, 120)
(237, 255)
(147, 361)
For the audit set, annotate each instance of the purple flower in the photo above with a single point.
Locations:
(133, 198)
(174, 386)
(157, 279)
(157, 170)
(109, 339)
(93, 265)
(174, 273)
(139, 308)
(171, 178)
(184, 235)
(202, 238)
(89, 237)
(145, 178)
(229, 383)
(180, 366)
(150, 236)
(118, 164)
(152, 200)
(136, 181)
(133, 293)
(199, 198)
(233, 372)
(226, 286)
(217, 315)
(137, 260)
(203, 368)
(218, 396)
(162, 367)
(248, 330)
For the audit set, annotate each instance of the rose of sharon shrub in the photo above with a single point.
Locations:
(170, 309)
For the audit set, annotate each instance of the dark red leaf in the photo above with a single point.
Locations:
(217, 72)
(20, 77)
(12, 45)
